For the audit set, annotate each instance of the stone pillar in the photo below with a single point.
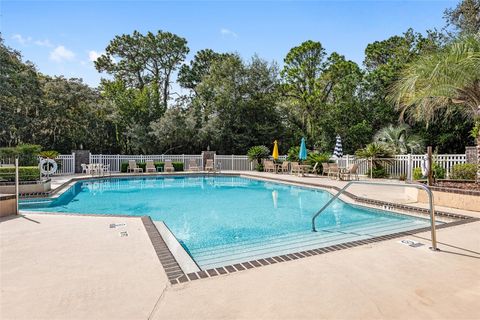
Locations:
(81, 156)
(471, 154)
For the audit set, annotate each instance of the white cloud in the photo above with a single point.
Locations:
(60, 54)
(227, 32)
(44, 43)
(21, 39)
(93, 55)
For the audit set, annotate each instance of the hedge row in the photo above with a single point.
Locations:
(177, 165)
(25, 173)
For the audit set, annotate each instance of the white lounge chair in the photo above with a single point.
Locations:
(168, 167)
(132, 167)
(192, 165)
(150, 166)
(209, 165)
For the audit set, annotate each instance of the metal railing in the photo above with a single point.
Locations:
(417, 186)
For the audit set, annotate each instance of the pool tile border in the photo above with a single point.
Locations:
(166, 258)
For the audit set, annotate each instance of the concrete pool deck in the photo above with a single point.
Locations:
(78, 267)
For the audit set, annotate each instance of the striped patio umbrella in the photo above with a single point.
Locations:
(338, 151)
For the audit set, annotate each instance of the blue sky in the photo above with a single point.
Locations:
(62, 37)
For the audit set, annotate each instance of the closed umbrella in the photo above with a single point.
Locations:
(302, 155)
(338, 151)
(275, 150)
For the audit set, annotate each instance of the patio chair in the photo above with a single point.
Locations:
(296, 169)
(192, 165)
(352, 171)
(333, 170)
(168, 167)
(314, 169)
(285, 166)
(268, 166)
(150, 166)
(325, 168)
(132, 167)
(209, 165)
(84, 168)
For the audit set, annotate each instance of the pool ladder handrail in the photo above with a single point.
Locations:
(417, 186)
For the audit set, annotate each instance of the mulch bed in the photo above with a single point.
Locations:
(458, 185)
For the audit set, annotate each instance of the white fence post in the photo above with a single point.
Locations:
(409, 167)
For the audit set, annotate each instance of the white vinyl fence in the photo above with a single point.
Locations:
(66, 164)
(115, 161)
(403, 165)
(400, 165)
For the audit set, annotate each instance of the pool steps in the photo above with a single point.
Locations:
(273, 246)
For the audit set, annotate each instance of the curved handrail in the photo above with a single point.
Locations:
(417, 186)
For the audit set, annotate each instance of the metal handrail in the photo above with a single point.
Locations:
(417, 186)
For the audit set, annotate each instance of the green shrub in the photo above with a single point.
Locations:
(258, 153)
(25, 174)
(177, 165)
(438, 171)
(417, 173)
(27, 154)
(292, 154)
(464, 171)
(316, 157)
(378, 172)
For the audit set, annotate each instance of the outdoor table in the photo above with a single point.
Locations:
(159, 169)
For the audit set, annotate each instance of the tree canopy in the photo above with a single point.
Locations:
(230, 103)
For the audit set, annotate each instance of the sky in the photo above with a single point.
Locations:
(65, 37)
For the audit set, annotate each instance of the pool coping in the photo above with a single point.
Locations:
(176, 275)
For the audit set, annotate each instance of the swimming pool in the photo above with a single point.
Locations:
(227, 219)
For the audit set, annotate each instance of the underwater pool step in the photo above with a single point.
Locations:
(312, 241)
(301, 236)
(307, 231)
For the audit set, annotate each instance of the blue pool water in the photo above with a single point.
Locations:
(224, 219)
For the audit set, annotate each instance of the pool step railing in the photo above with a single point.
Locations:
(417, 186)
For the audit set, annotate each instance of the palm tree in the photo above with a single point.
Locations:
(399, 139)
(448, 79)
